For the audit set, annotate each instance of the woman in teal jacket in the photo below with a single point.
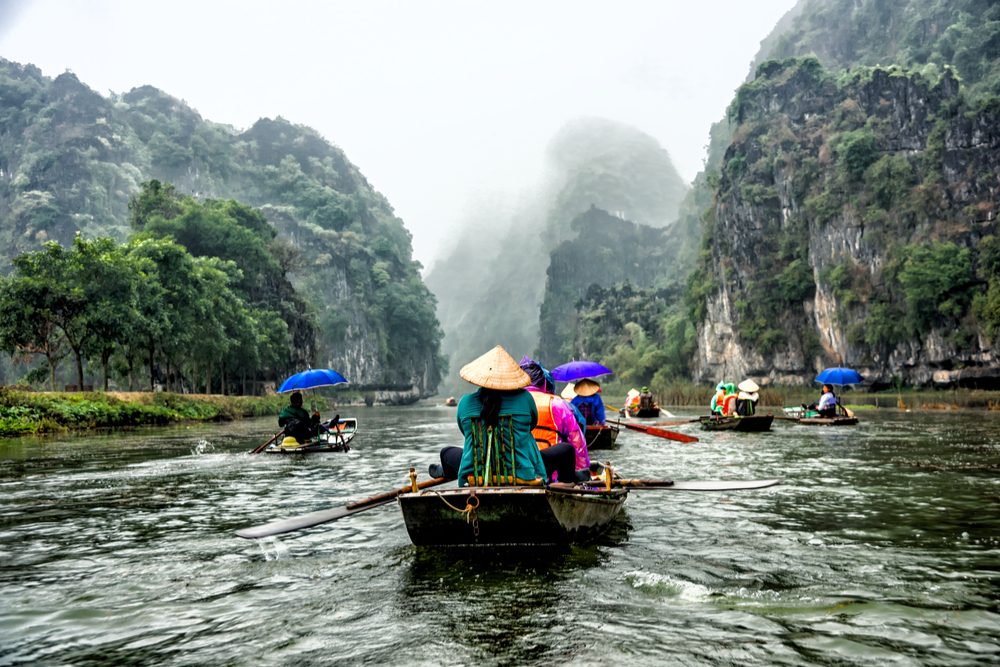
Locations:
(501, 393)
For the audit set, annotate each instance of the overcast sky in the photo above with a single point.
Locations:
(435, 101)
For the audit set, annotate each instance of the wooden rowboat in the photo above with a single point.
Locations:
(829, 421)
(645, 413)
(601, 437)
(334, 439)
(509, 515)
(812, 418)
(753, 423)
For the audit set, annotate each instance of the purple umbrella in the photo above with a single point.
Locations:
(577, 370)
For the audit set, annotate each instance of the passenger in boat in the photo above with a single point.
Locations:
(746, 403)
(501, 391)
(631, 402)
(558, 434)
(297, 421)
(717, 404)
(827, 406)
(568, 395)
(729, 402)
(746, 400)
(589, 402)
(646, 401)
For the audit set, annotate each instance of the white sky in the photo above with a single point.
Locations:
(437, 102)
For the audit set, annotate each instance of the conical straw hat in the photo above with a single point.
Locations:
(748, 385)
(586, 387)
(495, 370)
(568, 392)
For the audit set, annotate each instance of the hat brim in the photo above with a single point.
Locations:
(495, 370)
(586, 388)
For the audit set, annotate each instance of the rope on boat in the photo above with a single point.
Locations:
(471, 505)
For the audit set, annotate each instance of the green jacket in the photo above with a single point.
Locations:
(521, 406)
(306, 427)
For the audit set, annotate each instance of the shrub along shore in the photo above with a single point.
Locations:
(27, 412)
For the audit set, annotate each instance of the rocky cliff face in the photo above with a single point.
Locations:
(838, 198)
(493, 285)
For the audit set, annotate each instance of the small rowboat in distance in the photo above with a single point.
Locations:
(601, 437)
(812, 418)
(645, 413)
(829, 421)
(748, 423)
(509, 515)
(333, 439)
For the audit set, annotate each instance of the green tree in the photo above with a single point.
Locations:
(26, 324)
(937, 281)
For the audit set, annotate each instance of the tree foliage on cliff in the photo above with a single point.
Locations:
(844, 34)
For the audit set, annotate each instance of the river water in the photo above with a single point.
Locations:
(882, 546)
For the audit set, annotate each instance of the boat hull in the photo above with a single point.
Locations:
(829, 421)
(751, 423)
(601, 437)
(812, 418)
(329, 442)
(644, 413)
(508, 516)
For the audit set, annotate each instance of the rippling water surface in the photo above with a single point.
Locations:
(882, 546)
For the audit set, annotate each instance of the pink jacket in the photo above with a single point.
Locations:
(568, 429)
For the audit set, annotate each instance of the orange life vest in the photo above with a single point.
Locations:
(729, 405)
(545, 433)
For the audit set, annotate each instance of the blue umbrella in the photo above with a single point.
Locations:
(839, 376)
(311, 379)
(577, 370)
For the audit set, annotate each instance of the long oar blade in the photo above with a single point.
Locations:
(319, 517)
(301, 522)
(697, 485)
(657, 432)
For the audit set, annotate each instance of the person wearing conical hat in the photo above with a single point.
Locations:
(588, 402)
(746, 400)
(501, 392)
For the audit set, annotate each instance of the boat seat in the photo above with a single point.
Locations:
(494, 459)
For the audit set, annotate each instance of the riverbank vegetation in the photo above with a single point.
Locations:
(26, 412)
(209, 311)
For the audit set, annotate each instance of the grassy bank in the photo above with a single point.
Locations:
(25, 412)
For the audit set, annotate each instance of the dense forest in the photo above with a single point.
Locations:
(221, 322)
(71, 160)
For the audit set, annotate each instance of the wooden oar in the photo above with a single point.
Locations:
(311, 519)
(259, 449)
(695, 485)
(658, 432)
(677, 422)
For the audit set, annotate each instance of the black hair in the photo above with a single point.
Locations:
(491, 399)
